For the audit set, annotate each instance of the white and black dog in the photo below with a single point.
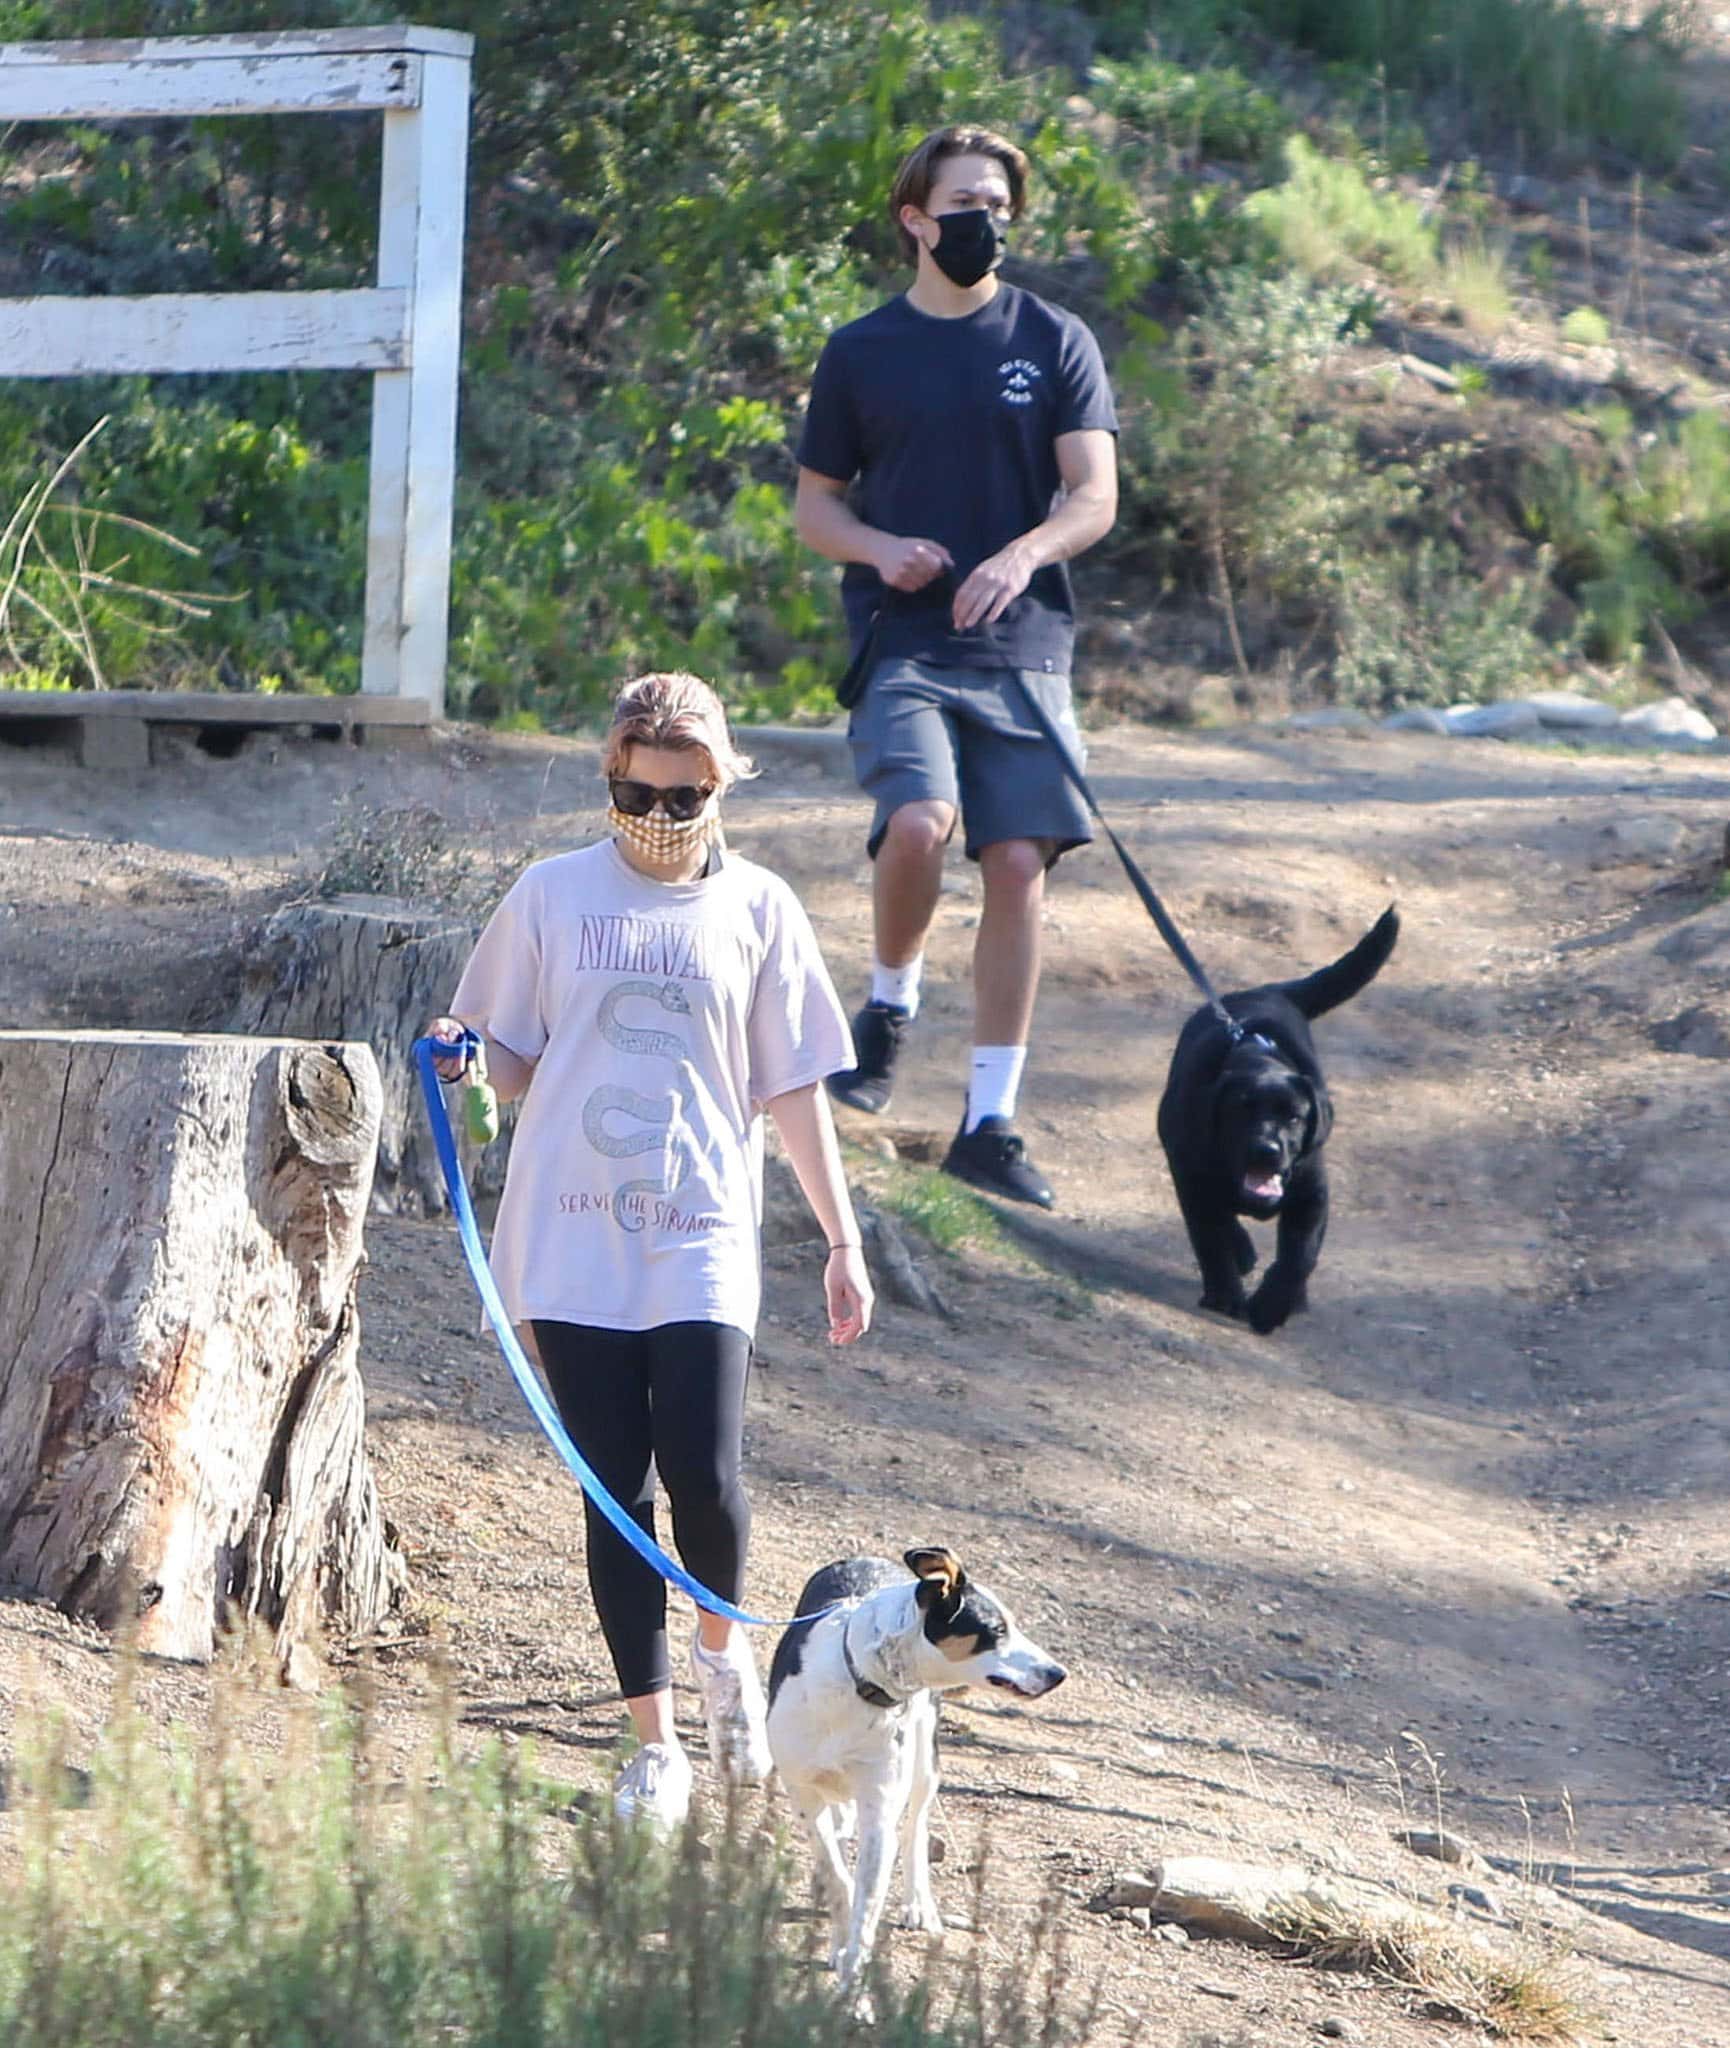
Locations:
(853, 1695)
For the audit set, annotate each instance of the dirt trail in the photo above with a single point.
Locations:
(1475, 1495)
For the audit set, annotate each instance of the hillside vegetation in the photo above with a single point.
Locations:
(1272, 210)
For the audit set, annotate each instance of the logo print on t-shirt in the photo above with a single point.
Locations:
(1017, 379)
(664, 1122)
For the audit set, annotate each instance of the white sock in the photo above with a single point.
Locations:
(995, 1082)
(898, 985)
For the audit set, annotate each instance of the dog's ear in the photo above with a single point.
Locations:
(1321, 1119)
(939, 1574)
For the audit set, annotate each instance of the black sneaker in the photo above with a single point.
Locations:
(994, 1158)
(877, 1033)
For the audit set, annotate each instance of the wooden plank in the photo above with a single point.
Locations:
(205, 332)
(415, 412)
(211, 707)
(145, 88)
(327, 42)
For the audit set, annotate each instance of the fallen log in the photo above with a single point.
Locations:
(1465, 1971)
(1266, 1906)
(181, 1409)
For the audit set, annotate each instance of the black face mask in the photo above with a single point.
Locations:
(969, 245)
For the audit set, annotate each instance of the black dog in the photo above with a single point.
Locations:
(1243, 1128)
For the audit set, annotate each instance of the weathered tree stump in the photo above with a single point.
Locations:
(371, 970)
(181, 1410)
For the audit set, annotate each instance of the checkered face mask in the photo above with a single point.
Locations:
(664, 840)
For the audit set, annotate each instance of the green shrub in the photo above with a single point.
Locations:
(1139, 221)
(1586, 327)
(671, 206)
(1415, 626)
(1553, 77)
(1212, 112)
(701, 201)
(1231, 443)
(1330, 222)
(1270, 502)
(242, 1891)
(1639, 522)
(86, 592)
(226, 497)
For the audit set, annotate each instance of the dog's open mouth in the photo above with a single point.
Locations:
(1264, 1187)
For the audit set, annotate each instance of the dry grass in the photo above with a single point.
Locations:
(1527, 1993)
(1475, 278)
(416, 853)
(1522, 1986)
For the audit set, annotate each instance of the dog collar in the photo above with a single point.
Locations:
(1242, 1036)
(872, 1695)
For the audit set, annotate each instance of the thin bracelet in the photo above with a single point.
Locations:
(847, 1244)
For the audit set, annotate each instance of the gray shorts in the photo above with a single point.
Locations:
(962, 736)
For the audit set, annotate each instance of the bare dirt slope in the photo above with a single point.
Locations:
(1473, 1500)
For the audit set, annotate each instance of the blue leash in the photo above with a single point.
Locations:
(523, 1372)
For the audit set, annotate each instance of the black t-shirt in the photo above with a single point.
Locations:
(950, 427)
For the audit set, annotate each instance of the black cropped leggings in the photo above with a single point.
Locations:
(636, 1401)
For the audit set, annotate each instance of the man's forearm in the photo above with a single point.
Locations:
(830, 527)
(1080, 519)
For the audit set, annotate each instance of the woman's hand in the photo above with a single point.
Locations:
(847, 1290)
(449, 1031)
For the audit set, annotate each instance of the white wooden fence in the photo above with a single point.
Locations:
(406, 331)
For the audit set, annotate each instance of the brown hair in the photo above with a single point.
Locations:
(674, 710)
(918, 172)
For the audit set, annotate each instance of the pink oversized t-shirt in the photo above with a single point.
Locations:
(661, 1016)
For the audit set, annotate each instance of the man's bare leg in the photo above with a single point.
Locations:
(904, 890)
(907, 878)
(1006, 952)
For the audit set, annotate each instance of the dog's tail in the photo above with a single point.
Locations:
(1330, 986)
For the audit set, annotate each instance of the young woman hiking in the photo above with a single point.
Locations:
(650, 996)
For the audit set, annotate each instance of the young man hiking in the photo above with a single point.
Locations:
(977, 424)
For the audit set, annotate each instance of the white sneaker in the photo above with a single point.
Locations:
(734, 1708)
(654, 1787)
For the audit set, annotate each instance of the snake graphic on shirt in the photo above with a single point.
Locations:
(667, 1124)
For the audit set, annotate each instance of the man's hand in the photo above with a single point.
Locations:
(911, 564)
(994, 586)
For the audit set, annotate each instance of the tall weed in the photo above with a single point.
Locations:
(274, 1882)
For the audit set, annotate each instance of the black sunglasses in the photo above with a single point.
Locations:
(638, 799)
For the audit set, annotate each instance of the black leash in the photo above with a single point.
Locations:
(1138, 881)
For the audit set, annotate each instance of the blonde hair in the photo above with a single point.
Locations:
(674, 710)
